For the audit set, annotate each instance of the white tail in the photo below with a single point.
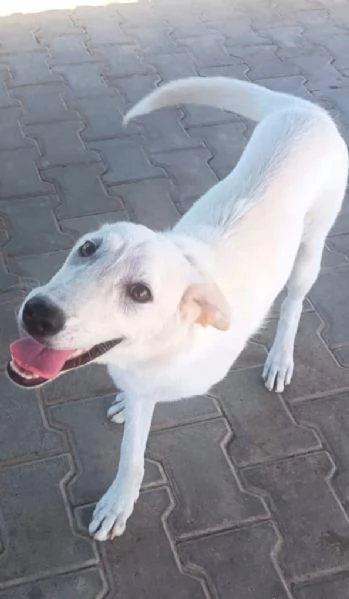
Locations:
(247, 99)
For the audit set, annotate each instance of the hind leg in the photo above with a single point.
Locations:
(278, 368)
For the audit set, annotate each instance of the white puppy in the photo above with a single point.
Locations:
(170, 312)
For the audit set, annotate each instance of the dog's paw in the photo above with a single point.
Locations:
(116, 412)
(278, 370)
(110, 516)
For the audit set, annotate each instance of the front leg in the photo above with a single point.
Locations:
(115, 507)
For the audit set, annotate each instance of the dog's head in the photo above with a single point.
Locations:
(124, 292)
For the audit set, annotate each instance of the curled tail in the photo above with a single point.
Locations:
(242, 97)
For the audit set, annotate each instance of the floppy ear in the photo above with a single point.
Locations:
(204, 304)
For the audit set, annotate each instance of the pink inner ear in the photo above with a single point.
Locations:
(206, 305)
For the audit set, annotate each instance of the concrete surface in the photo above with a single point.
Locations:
(246, 494)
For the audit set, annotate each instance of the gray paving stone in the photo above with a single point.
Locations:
(91, 381)
(238, 563)
(208, 50)
(149, 202)
(263, 427)
(28, 236)
(68, 50)
(97, 443)
(17, 37)
(313, 525)
(83, 80)
(188, 454)
(30, 69)
(195, 409)
(189, 170)
(316, 371)
(43, 103)
(180, 65)
(164, 131)
(330, 416)
(60, 144)
(8, 281)
(86, 584)
(9, 304)
(37, 268)
(5, 100)
(80, 190)
(330, 299)
(23, 433)
(46, 530)
(102, 28)
(338, 588)
(121, 60)
(253, 355)
(125, 159)
(55, 23)
(11, 133)
(103, 118)
(318, 69)
(264, 62)
(154, 571)
(133, 89)
(83, 224)
(153, 40)
(226, 142)
(29, 183)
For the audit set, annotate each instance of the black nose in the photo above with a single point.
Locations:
(41, 317)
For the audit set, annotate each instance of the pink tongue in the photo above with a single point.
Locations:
(38, 359)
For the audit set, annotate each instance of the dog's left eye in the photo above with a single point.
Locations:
(87, 249)
(139, 293)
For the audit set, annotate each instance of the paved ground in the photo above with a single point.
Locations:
(246, 494)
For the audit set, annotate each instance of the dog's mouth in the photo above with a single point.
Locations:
(33, 364)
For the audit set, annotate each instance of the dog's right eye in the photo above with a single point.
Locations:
(87, 249)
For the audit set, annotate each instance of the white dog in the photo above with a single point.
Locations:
(170, 312)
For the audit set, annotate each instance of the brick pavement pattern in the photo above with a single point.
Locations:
(246, 493)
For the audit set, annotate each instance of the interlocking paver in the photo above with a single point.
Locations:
(330, 416)
(11, 133)
(246, 493)
(329, 298)
(125, 159)
(22, 161)
(86, 584)
(29, 69)
(27, 237)
(53, 545)
(188, 454)
(80, 190)
(37, 268)
(316, 370)
(191, 181)
(60, 144)
(5, 100)
(83, 79)
(263, 427)
(102, 118)
(238, 563)
(43, 103)
(313, 524)
(151, 559)
(149, 202)
(89, 431)
(21, 412)
(226, 143)
(337, 587)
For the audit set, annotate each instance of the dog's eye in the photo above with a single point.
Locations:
(139, 293)
(87, 249)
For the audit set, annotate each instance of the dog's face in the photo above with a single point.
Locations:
(122, 290)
